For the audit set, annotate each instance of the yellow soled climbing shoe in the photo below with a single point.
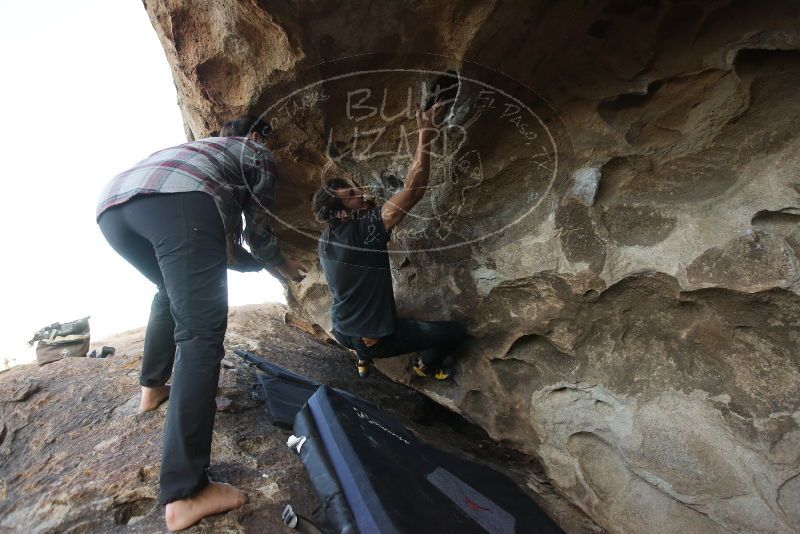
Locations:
(437, 373)
(363, 368)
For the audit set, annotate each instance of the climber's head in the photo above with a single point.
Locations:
(337, 199)
(254, 128)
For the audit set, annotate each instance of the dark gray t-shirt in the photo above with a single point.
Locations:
(356, 265)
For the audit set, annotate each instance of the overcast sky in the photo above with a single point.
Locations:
(86, 92)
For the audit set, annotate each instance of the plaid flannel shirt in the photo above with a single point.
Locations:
(240, 174)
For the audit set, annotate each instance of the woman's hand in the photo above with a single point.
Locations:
(292, 270)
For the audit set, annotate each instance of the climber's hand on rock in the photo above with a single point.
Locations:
(428, 122)
(292, 271)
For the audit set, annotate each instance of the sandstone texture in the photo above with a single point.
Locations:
(76, 456)
(613, 211)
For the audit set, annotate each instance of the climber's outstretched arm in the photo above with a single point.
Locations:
(396, 208)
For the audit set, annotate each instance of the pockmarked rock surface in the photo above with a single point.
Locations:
(77, 456)
(613, 211)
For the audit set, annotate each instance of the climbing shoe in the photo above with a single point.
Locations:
(437, 373)
(363, 368)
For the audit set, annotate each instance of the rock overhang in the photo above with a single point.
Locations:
(653, 289)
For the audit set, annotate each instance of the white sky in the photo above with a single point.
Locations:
(85, 93)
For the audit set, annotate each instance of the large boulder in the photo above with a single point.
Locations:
(77, 456)
(613, 211)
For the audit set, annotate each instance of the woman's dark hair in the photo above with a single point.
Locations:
(325, 203)
(242, 126)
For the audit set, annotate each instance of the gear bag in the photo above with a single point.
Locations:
(60, 340)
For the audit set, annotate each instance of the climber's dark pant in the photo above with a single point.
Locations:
(436, 339)
(177, 241)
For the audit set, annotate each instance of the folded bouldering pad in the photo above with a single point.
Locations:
(373, 476)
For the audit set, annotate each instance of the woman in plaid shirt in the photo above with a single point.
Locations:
(177, 218)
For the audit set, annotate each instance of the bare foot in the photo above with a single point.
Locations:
(215, 498)
(153, 397)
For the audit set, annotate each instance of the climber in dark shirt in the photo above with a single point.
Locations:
(354, 258)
